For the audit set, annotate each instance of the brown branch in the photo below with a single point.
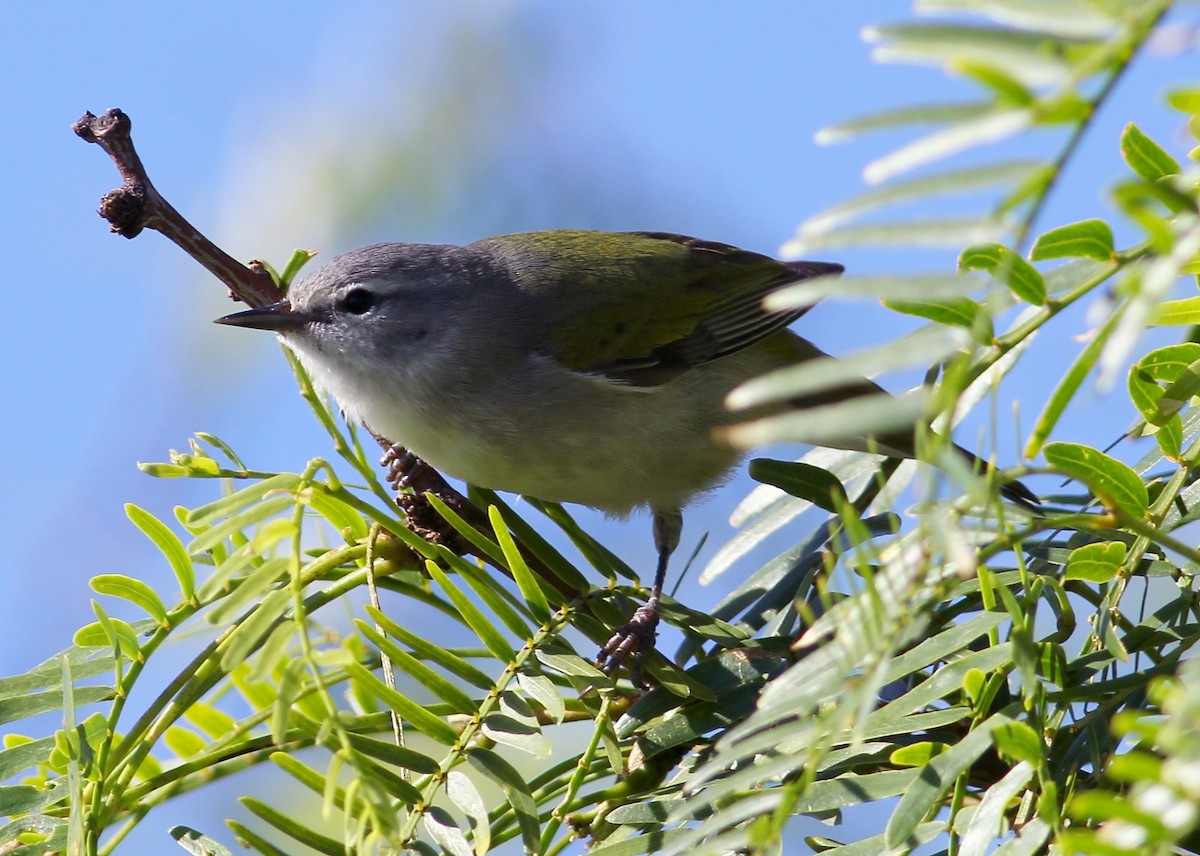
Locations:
(137, 205)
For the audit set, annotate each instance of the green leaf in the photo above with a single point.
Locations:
(542, 690)
(516, 725)
(197, 843)
(571, 665)
(442, 828)
(212, 721)
(973, 683)
(956, 311)
(1091, 239)
(1008, 268)
(17, 800)
(1052, 664)
(939, 184)
(119, 633)
(1115, 483)
(19, 757)
(255, 629)
(650, 842)
(1020, 55)
(292, 828)
(1017, 741)
(184, 742)
(252, 588)
(426, 650)
(818, 486)
(1146, 157)
(234, 502)
(989, 128)
(516, 791)
(255, 841)
(1169, 437)
(1164, 365)
(531, 590)
(472, 616)
(1186, 100)
(1063, 19)
(413, 713)
(529, 538)
(917, 754)
(875, 845)
(134, 591)
(1174, 313)
(915, 287)
(921, 114)
(840, 379)
(466, 796)
(298, 260)
(240, 522)
(947, 645)
(870, 415)
(990, 820)
(409, 665)
(1095, 563)
(948, 232)
(1068, 385)
(390, 753)
(168, 544)
(937, 778)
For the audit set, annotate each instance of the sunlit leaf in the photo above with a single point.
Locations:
(1088, 239)
(991, 127)
(1095, 563)
(960, 312)
(1114, 482)
(1019, 742)
(169, 544)
(1172, 313)
(1144, 156)
(924, 187)
(921, 114)
(1068, 19)
(1008, 268)
(133, 590)
(1027, 57)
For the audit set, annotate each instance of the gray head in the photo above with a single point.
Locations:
(400, 314)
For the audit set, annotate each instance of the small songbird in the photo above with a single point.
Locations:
(570, 366)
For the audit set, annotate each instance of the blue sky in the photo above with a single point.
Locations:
(278, 125)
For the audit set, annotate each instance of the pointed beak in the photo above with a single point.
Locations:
(278, 317)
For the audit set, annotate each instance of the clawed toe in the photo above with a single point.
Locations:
(632, 642)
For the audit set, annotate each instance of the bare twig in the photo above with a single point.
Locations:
(137, 205)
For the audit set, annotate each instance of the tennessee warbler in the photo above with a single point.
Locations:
(570, 366)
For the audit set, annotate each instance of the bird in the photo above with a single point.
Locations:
(568, 365)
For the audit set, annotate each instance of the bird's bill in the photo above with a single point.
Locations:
(278, 317)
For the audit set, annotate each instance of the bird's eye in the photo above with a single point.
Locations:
(357, 301)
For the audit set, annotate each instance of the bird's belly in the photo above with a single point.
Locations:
(585, 441)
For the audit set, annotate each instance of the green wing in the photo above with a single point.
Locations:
(643, 307)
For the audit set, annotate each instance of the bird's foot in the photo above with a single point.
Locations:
(412, 478)
(400, 465)
(631, 642)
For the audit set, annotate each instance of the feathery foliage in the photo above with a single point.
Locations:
(980, 675)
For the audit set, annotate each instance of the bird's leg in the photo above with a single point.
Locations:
(412, 478)
(637, 636)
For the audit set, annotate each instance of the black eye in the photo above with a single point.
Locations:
(357, 301)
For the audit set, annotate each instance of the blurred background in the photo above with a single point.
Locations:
(274, 126)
